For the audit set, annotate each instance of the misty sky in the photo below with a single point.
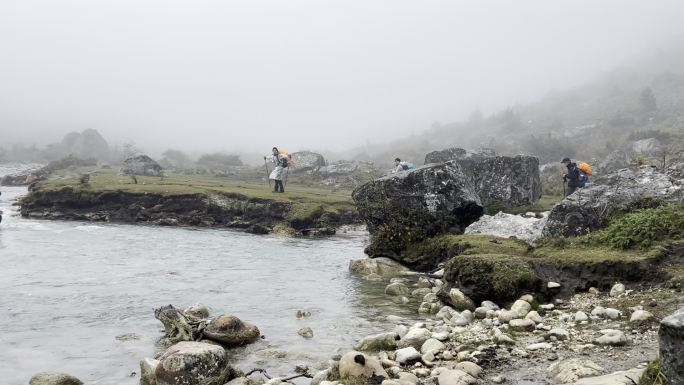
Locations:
(247, 75)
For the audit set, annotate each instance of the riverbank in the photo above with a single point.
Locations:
(188, 200)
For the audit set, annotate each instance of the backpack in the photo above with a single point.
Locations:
(284, 161)
(585, 168)
(407, 165)
(583, 178)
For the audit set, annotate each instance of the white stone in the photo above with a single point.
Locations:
(641, 316)
(535, 317)
(455, 377)
(539, 346)
(521, 307)
(569, 371)
(617, 290)
(581, 316)
(613, 313)
(553, 285)
(560, 334)
(469, 367)
(525, 324)
(432, 345)
(415, 337)
(611, 337)
(406, 355)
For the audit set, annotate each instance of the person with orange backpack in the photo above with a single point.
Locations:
(576, 177)
(281, 160)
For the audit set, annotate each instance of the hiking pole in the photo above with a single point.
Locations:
(267, 176)
(287, 171)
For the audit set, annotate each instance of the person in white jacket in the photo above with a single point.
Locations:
(280, 163)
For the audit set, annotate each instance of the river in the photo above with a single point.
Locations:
(69, 289)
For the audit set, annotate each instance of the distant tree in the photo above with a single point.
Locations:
(129, 150)
(647, 100)
(476, 116)
(177, 158)
(219, 160)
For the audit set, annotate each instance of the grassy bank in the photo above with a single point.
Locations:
(302, 205)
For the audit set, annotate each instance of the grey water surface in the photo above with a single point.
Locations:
(69, 289)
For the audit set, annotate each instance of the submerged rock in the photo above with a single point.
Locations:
(147, 368)
(383, 267)
(411, 206)
(231, 331)
(193, 363)
(54, 378)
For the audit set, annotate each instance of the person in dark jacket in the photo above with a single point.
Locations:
(572, 177)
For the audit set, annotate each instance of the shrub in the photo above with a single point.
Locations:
(642, 228)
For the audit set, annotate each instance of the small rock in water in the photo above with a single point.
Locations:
(53, 378)
(197, 310)
(397, 288)
(128, 337)
(617, 290)
(306, 332)
(303, 314)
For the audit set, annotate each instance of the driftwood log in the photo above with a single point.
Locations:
(179, 326)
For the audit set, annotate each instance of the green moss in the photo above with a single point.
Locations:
(642, 228)
(653, 374)
(450, 245)
(500, 276)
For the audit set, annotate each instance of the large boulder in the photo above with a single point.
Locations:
(231, 331)
(307, 161)
(588, 209)
(194, 363)
(500, 181)
(614, 161)
(408, 207)
(671, 335)
(141, 165)
(383, 267)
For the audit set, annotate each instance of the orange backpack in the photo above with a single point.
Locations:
(585, 168)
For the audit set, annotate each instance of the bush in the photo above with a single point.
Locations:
(642, 228)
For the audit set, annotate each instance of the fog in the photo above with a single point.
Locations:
(247, 75)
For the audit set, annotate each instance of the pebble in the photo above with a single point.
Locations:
(612, 337)
(498, 379)
(553, 285)
(581, 316)
(539, 346)
(641, 316)
(306, 332)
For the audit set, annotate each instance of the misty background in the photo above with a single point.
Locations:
(339, 77)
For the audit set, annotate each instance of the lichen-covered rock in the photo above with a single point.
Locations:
(377, 342)
(408, 207)
(231, 331)
(383, 267)
(500, 181)
(193, 363)
(671, 336)
(148, 366)
(648, 147)
(569, 371)
(491, 276)
(306, 161)
(588, 209)
(141, 165)
(52, 378)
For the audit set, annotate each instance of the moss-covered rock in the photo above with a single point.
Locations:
(498, 277)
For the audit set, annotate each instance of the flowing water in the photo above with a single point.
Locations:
(79, 297)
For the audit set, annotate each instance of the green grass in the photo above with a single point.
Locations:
(104, 180)
(653, 374)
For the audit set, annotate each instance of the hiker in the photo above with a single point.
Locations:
(573, 178)
(280, 162)
(400, 165)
